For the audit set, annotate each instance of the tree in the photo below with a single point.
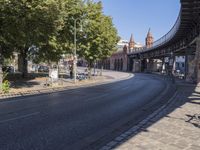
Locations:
(31, 23)
(100, 36)
(45, 29)
(76, 11)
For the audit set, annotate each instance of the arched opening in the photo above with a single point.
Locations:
(121, 64)
(118, 64)
(115, 65)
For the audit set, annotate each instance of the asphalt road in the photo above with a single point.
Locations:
(74, 118)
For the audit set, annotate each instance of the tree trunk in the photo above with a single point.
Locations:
(24, 63)
(94, 66)
(90, 70)
(101, 73)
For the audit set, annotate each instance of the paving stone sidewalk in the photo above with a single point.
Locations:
(174, 126)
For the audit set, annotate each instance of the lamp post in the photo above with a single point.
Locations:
(75, 56)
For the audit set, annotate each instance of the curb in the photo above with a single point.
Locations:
(57, 89)
(111, 136)
(142, 124)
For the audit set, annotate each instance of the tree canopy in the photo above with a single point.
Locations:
(48, 27)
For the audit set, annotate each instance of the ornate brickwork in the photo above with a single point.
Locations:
(131, 42)
(149, 39)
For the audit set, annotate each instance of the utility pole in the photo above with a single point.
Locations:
(74, 60)
(75, 55)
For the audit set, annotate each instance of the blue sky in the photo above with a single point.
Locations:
(137, 16)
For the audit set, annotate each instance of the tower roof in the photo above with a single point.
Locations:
(149, 33)
(131, 39)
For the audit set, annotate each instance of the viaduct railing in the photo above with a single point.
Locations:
(183, 33)
(164, 39)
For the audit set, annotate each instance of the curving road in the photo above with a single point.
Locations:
(74, 119)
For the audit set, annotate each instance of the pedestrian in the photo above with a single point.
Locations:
(71, 69)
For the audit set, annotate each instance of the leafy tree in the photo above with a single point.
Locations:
(76, 11)
(43, 30)
(100, 36)
(28, 23)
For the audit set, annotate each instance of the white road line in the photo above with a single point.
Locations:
(20, 117)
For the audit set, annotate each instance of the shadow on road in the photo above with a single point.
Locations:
(186, 94)
(115, 131)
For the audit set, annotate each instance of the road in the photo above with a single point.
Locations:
(73, 119)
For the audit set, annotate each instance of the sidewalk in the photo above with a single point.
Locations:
(37, 85)
(175, 126)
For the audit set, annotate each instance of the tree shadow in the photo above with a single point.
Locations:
(195, 98)
(30, 81)
(142, 119)
(24, 84)
(194, 120)
(152, 118)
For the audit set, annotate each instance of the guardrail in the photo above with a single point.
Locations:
(164, 39)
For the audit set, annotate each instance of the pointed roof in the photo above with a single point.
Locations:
(149, 33)
(131, 39)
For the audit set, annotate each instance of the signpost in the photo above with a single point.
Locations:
(53, 74)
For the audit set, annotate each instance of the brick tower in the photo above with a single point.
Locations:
(131, 43)
(149, 39)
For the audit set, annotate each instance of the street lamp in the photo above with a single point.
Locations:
(75, 56)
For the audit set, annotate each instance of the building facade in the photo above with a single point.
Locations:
(119, 60)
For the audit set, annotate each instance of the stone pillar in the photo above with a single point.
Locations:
(163, 65)
(125, 64)
(148, 69)
(151, 65)
(136, 65)
(186, 64)
(174, 65)
(193, 65)
(198, 59)
(190, 74)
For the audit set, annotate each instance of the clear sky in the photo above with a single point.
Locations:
(137, 16)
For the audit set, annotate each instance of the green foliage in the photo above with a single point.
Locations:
(26, 23)
(5, 87)
(100, 36)
(48, 26)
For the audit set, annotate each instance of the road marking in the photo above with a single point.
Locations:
(20, 117)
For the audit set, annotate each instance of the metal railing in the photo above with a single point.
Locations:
(164, 39)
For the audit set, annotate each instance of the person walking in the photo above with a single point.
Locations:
(71, 71)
